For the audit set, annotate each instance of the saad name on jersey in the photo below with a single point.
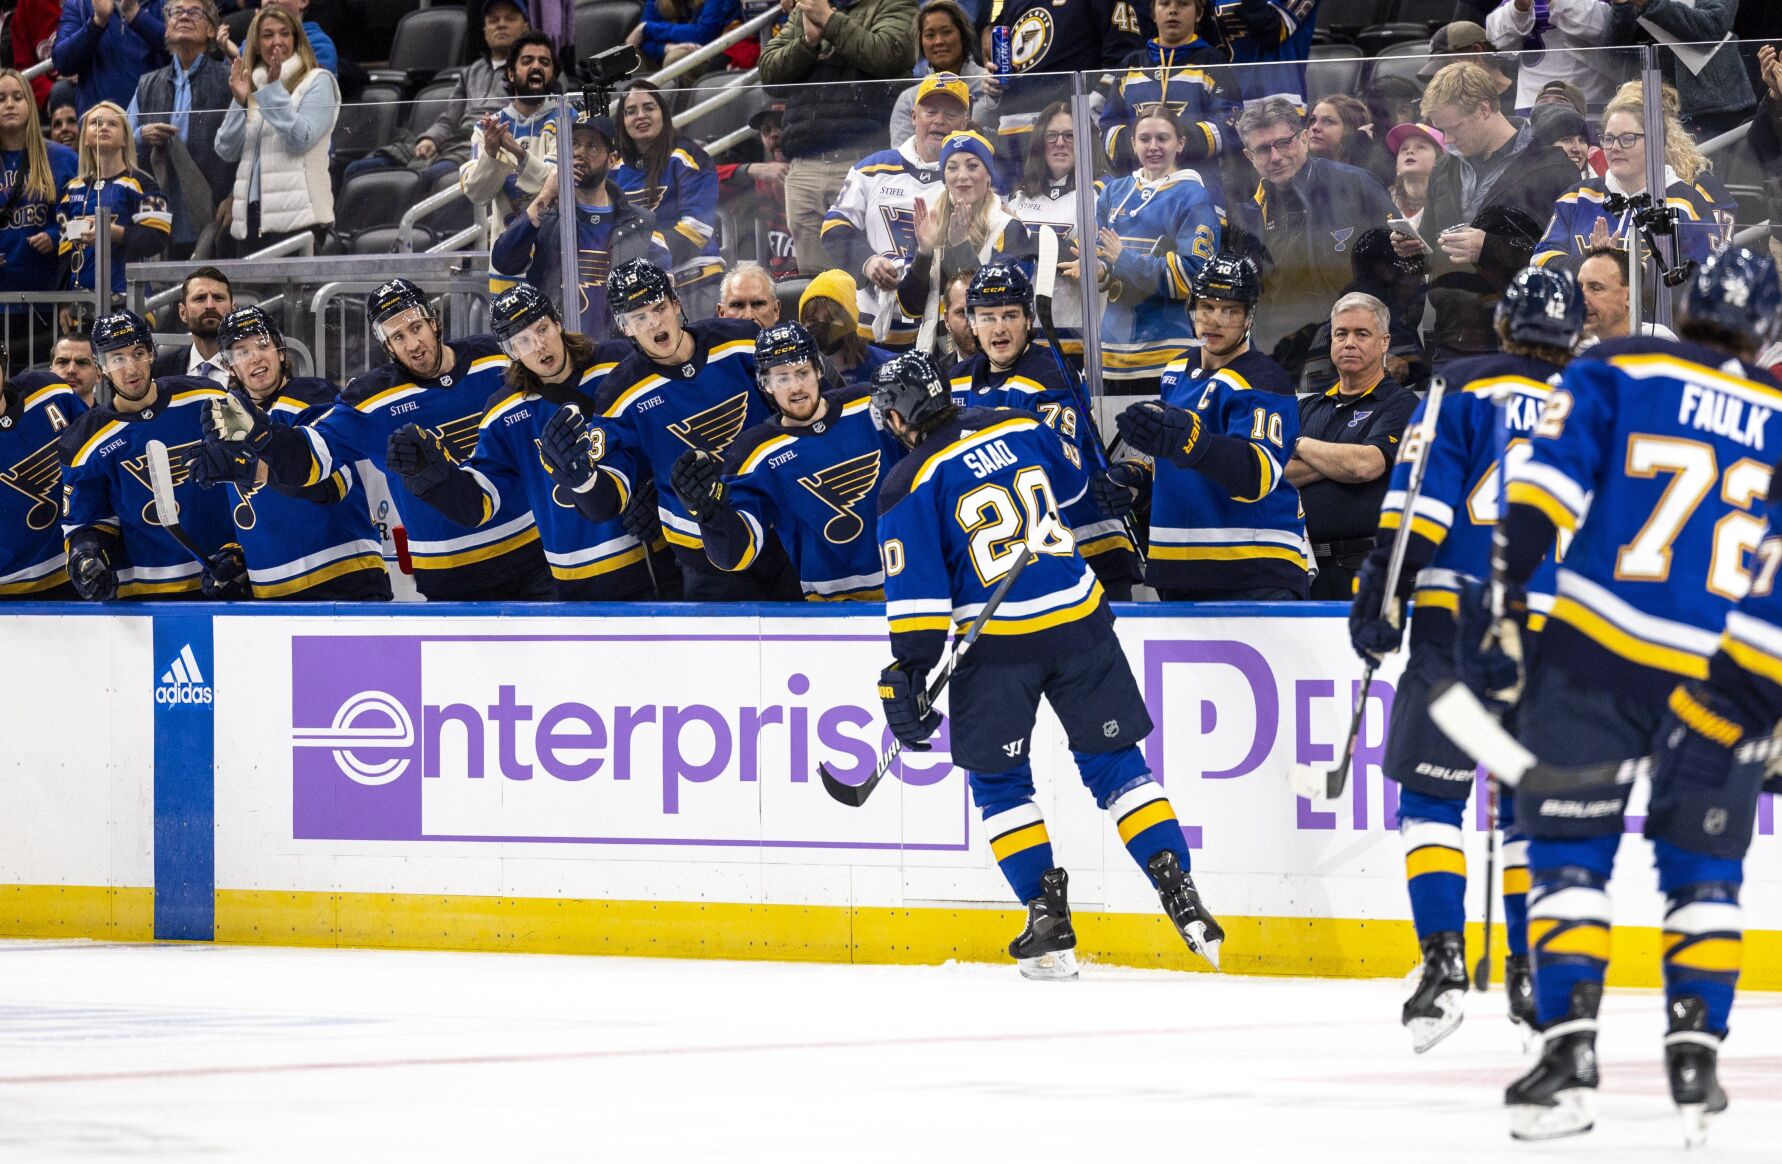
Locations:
(986, 460)
(1723, 415)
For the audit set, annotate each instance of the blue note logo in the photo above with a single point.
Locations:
(182, 681)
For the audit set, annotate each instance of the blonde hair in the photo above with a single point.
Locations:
(1461, 84)
(978, 228)
(89, 157)
(1680, 151)
(250, 48)
(40, 180)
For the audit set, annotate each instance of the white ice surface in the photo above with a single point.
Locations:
(196, 1052)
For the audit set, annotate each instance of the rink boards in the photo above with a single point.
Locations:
(643, 782)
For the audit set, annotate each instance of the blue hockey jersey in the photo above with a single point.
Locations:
(39, 408)
(952, 517)
(685, 203)
(1457, 510)
(1183, 78)
(106, 493)
(1750, 655)
(1705, 217)
(1658, 454)
(1274, 61)
(449, 560)
(1168, 230)
(1239, 527)
(134, 203)
(817, 487)
(22, 266)
(314, 544)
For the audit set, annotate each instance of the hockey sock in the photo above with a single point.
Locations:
(1435, 864)
(1703, 929)
(1016, 828)
(1568, 918)
(1514, 858)
(1142, 813)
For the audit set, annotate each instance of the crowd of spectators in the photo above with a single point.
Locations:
(887, 160)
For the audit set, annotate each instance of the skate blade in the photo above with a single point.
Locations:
(1427, 1032)
(1058, 966)
(1573, 1113)
(1695, 1117)
(1196, 936)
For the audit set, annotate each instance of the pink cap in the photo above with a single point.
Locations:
(1395, 136)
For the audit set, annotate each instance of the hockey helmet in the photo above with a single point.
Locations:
(1736, 290)
(246, 323)
(637, 284)
(1227, 276)
(120, 329)
(392, 299)
(911, 386)
(515, 310)
(1543, 307)
(784, 343)
(1000, 284)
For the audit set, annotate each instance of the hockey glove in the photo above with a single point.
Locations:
(1117, 490)
(907, 714)
(234, 420)
(1699, 776)
(1373, 635)
(221, 462)
(1489, 631)
(639, 515)
(566, 448)
(698, 480)
(226, 576)
(90, 569)
(1256, 19)
(420, 458)
(1160, 430)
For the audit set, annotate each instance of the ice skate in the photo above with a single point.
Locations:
(1181, 901)
(1043, 951)
(1558, 1096)
(1519, 988)
(1438, 1003)
(1691, 1062)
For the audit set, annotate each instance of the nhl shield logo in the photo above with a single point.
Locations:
(1111, 728)
(1714, 823)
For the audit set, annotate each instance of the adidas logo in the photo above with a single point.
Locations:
(183, 682)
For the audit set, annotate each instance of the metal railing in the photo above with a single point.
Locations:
(438, 200)
(733, 86)
(302, 244)
(699, 56)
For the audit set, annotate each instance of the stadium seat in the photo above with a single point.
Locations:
(726, 118)
(430, 102)
(427, 41)
(367, 123)
(1343, 19)
(384, 240)
(1377, 37)
(1400, 60)
(369, 201)
(1430, 14)
(601, 24)
(1333, 68)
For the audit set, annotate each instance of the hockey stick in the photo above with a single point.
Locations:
(1482, 968)
(160, 471)
(1306, 780)
(854, 795)
(1044, 283)
(1477, 732)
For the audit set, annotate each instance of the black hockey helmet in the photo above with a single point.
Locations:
(1227, 276)
(784, 343)
(1735, 290)
(911, 386)
(637, 284)
(1543, 307)
(516, 309)
(245, 323)
(120, 329)
(392, 299)
(1000, 284)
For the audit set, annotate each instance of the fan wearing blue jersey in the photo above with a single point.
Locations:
(604, 561)
(977, 486)
(685, 386)
(1657, 454)
(117, 546)
(316, 543)
(1011, 371)
(1224, 523)
(35, 409)
(1178, 69)
(1488, 417)
(1272, 40)
(811, 475)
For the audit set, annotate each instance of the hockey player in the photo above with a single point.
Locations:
(811, 475)
(117, 547)
(1487, 416)
(1272, 40)
(1178, 69)
(1225, 524)
(977, 486)
(440, 386)
(591, 561)
(315, 543)
(685, 386)
(1669, 444)
(35, 407)
(1011, 371)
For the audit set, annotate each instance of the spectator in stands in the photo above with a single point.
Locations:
(960, 343)
(479, 88)
(755, 191)
(830, 127)
(1348, 441)
(826, 309)
(747, 293)
(1416, 148)
(513, 152)
(609, 230)
(1272, 39)
(1301, 222)
(869, 230)
(1766, 123)
(1716, 92)
(1582, 218)
(71, 359)
(1467, 38)
(1046, 195)
(1557, 124)
(38, 171)
(1334, 130)
(1176, 67)
(320, 43)
(671, 29)
(205, 298)
(1396, 282)
(1549, 41)
(33, 31)
(277, 129)
(948, 46)
(669, 174)
(178, 111)
(108, 45)
(959, 228)
(1393, 101)
(140, 222)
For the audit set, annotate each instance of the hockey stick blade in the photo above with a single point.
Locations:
(1472, 727)
(160, 471)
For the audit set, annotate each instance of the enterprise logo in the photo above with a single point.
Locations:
(372, 720)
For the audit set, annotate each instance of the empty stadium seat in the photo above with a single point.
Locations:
(1378, 37)
(427, 41)
(1345, 18)
(601, 24)
(369, 201)
(1333, 68)
(1431, 14)
(1400, 60)
(367, 123)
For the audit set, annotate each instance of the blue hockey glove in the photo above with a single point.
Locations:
(420, 458)
(1489, 632)
(907, 714)
(1373, 635)
(698, 480)
(1160, 430)
(566, 447)
(90, 569)
(226, 576)
(221, 462)
(639, 515)
(1117, 490)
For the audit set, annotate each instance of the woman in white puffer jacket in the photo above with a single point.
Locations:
(277, 129)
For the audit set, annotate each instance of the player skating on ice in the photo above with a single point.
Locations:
(979, 490)
(1488, 415)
